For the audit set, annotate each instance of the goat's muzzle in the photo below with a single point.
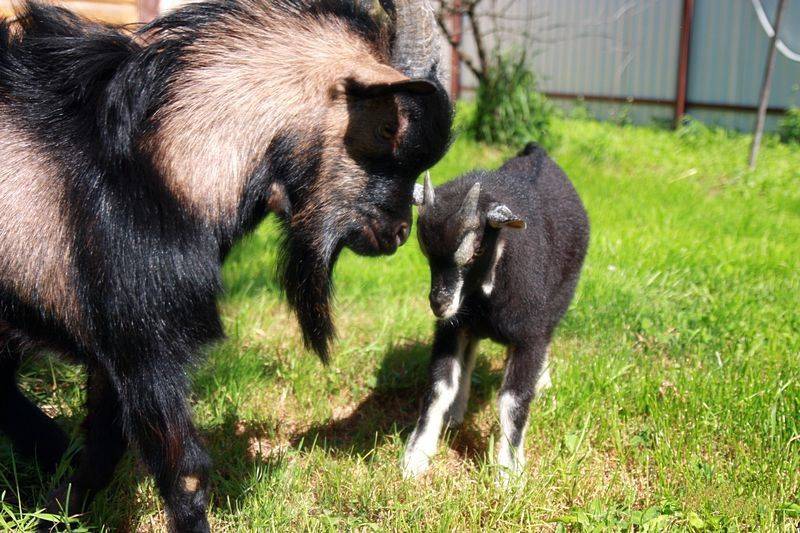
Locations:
(380, 235)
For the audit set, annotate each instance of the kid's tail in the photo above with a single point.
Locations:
(530, 149)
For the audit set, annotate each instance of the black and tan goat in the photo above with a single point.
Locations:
(505, 250)
(131, 162)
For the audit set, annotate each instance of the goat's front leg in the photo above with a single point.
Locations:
(145, 406)
(524, 368)
(455, 415)
(446, 369)
(161, 424)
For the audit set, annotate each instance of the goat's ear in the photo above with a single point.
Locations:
(380, 80)
(500, 216)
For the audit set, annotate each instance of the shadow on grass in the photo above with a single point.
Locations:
(235, 471)
(392, 408)
(237, 446)
(237, 467)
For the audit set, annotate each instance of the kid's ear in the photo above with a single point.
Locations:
(500, 216)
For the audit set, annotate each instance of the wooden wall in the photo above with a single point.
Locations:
(113, 11)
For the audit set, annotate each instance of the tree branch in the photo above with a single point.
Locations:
(480, 47)
(455, 41)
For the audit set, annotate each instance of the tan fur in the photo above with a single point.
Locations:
(13, 26)
(191, 483)
(246, 82)
(35, 248)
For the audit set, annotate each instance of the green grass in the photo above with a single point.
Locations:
(676, 399)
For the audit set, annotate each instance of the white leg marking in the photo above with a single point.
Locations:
(544, 382)
(423, 441)
(455, 415)
(488, 284)
(510, 457)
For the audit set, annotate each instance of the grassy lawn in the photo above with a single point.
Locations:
(676, 398)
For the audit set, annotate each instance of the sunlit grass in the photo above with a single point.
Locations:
(676, 373)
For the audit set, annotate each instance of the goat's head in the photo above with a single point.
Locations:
(340, 103)
(459, 234)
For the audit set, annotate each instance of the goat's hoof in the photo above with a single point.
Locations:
(198, 523)
(507, 478)
(415, 464)
(64, 501)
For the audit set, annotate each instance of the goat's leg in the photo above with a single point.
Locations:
(544, 382)
(445, 379)
(104, 445)
(523, 370)
(32, 433)
(455, 415)
(160, 422)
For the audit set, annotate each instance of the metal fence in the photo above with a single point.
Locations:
(623, 56)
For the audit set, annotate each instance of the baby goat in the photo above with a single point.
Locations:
(505, 250)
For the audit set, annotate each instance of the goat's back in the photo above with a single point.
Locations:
(534, 186)
(542, 262)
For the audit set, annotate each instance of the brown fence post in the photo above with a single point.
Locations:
(455, 60)
(683, 60)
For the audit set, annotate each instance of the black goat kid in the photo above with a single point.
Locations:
(131, 162)
(505, 250)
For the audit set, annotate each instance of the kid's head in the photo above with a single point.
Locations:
(458, 232)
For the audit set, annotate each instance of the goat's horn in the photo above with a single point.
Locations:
(428, 195)
(375, 9)
(469, 209)
(416, 44)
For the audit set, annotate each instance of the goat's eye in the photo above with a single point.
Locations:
(387, 131)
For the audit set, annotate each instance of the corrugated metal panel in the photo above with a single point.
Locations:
(637, 114)
(608, 47)
(729, 52)
(629, 48)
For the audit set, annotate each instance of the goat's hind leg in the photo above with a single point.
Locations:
(32, 433)
(524, 371)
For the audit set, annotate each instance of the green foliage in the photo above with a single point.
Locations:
(696, 134)
(509, 108)
(580, 110)
(789, 126)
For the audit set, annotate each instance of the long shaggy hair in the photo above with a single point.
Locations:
(130, 163)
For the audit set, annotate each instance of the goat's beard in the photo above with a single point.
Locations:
(306, 270)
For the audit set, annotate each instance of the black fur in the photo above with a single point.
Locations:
(148, 271)
(534, 279)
